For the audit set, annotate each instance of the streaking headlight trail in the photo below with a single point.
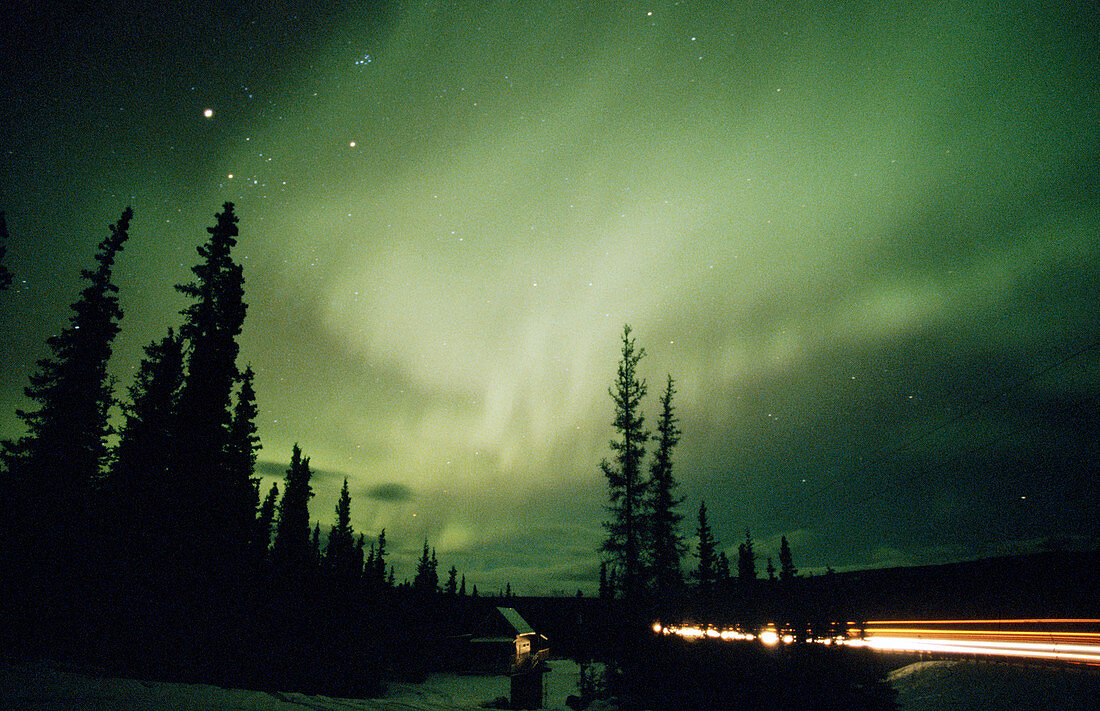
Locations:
(1075, 641)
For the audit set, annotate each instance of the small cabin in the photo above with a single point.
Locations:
(504, 640)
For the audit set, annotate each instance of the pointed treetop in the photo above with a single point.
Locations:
(787, 571)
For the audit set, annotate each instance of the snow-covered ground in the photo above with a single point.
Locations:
(926, 686)
(963, 686)
(43, 686)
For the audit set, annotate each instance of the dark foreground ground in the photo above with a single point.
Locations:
(923, 686)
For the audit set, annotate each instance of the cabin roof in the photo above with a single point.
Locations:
(520, 625)
(502, 624)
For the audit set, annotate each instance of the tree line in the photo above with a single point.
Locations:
(158, 555)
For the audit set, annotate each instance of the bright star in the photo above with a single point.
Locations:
(208, 113)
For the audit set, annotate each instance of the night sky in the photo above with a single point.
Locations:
(863, 240)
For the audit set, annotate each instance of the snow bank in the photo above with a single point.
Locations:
(43, 686)
(958, 686)
(925, 686)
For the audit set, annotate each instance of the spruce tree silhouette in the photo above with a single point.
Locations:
(137, 487)
(209, 538)
(666, 544)
(210, 542)
(423, 582)
(378, 572)
(292, 551)
(139, 498)
(722, 571)
(787, 571)
(746, 582)
(368, 571)
(52, 471)
(746, 560)
(294, 610)
(433, 573)
(243, 521)
(265, 521)
(706, 571)
(315, 547)
(340, 561)
(343, 630)
(626, 487)
(358, 561)
(450, 588)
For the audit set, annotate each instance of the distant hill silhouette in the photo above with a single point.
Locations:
(1049, 584)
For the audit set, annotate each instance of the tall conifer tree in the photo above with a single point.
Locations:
(787, 571)
(266, 520)
(56, 466)
(315, 547)
(340, 549)
(666, 545)
(63, 452)
(426, 580)
(209, 497)
(420, 579)
(722, 570)
(139, 492)
(433, 573)
(355, 573)
(626, 487)
(139, 498)
(380, 560)
(706, 573)
(291, 552)
(746, 560)
(243, 483)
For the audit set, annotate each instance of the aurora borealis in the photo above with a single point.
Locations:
(863, 241)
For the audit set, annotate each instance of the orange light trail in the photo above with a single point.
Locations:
(1089, 654)
(1056, 639)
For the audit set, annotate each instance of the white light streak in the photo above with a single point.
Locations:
(1060, 640)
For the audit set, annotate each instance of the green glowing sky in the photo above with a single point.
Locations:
(863, 241)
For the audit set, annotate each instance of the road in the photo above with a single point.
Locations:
(1070, 641)
(1074, 641)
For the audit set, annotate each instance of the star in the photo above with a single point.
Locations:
(208, 113)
